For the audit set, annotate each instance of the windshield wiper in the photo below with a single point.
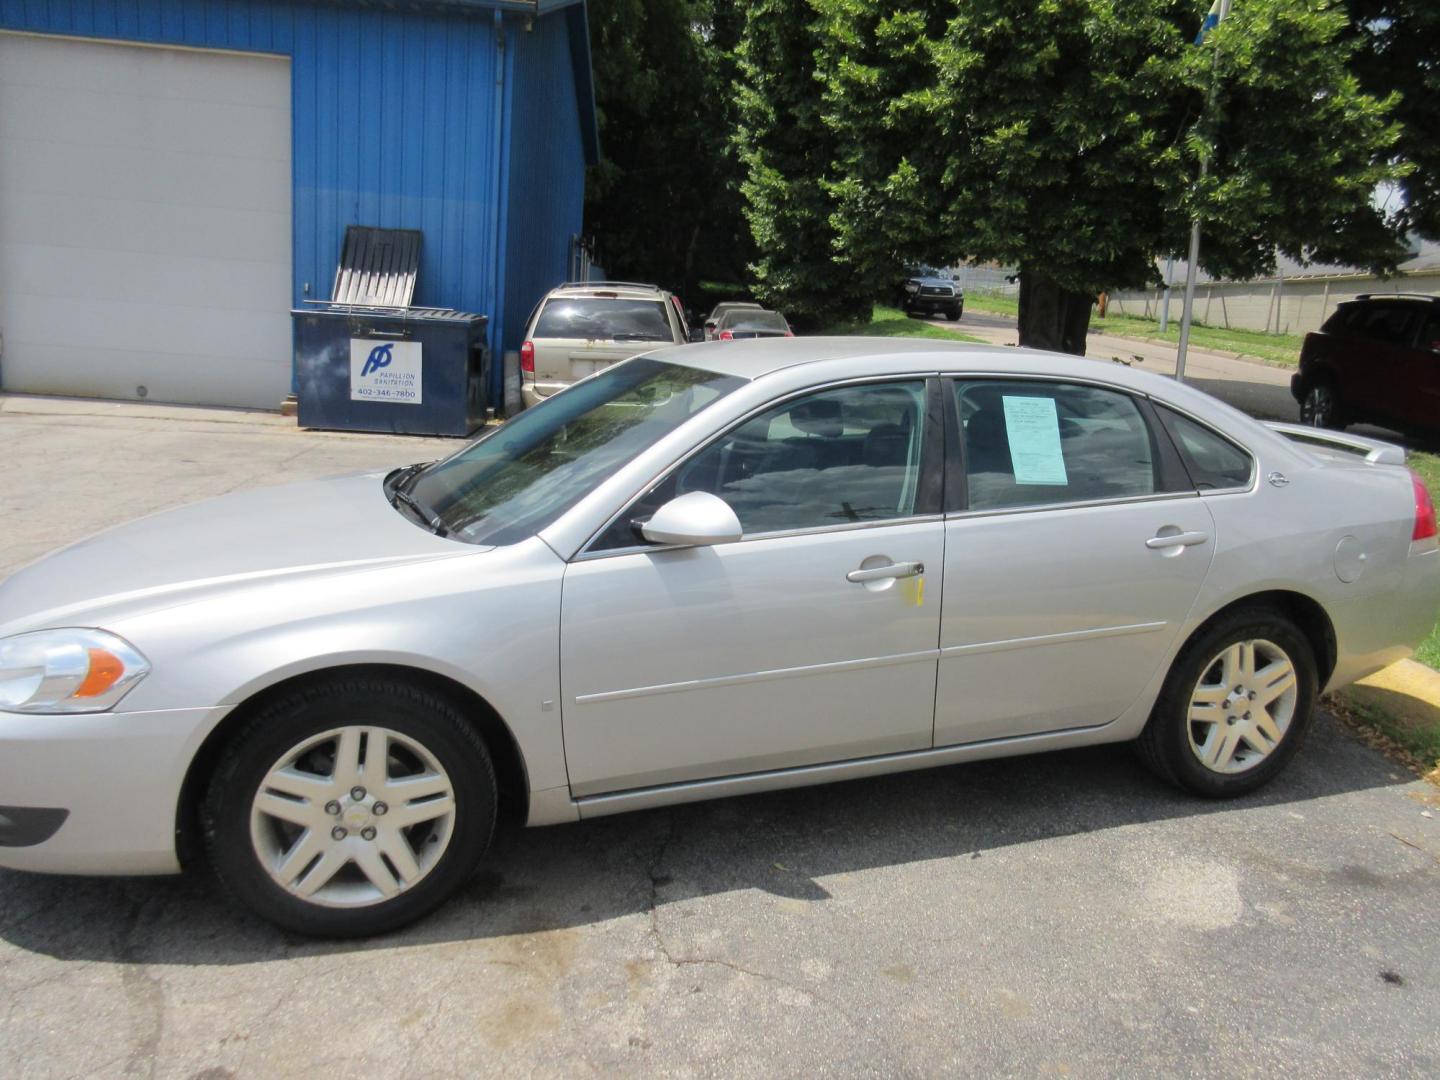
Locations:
(404, 477)
(400, 493)
(430, 519)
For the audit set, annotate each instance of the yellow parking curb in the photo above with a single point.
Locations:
(1407, 693)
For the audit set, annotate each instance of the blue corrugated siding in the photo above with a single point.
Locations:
(546, 186)
(395, 124)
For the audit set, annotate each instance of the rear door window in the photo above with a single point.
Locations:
(1036, 443)
(603, 319)
(1391, 324)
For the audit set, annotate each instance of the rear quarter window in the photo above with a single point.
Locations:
(1213, 461)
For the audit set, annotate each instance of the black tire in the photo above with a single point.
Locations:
(953, 316)
(1322, 406)
(428, 719)
(1165, 744)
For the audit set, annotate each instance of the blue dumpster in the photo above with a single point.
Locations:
(365, 360)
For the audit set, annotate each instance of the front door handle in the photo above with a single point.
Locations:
(879, 573)
(1176, 539)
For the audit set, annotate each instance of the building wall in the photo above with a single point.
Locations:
(395, 121)
(546, 178)
(1281, 306)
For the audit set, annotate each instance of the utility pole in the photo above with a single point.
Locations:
(1188, 309)
(1165, 298)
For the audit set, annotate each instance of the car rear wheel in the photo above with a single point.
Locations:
(1321, 406)
(350, 808)
(1235, 706)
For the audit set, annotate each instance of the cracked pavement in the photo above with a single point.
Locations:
(1063, 914)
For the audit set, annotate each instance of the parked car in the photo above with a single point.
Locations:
(740, 323)
(935, 296)
(706, 571)
(1376, 360)
(713, 319)
(584, 327)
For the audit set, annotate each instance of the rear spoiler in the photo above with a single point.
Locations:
(1374, 451)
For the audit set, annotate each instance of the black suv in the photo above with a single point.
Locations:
(934, 296)
(1377, 359)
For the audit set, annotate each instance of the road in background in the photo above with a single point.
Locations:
(1250, 385)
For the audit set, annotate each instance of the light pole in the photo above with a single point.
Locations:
(1188, 308)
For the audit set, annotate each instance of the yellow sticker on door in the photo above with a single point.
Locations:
(915, 589)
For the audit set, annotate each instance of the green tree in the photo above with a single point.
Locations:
(1065, 137)
(788, 154)
(1397, 50)
(663, 204)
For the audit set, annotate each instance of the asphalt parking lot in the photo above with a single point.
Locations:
(1058, 915)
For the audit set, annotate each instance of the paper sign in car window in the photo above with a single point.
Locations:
(1033, 428)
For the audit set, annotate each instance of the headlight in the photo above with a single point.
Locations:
(67, 671)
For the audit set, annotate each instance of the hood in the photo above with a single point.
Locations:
(196, 552)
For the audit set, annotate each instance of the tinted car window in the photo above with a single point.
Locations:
(1213, 461)
(1393, 324)
(1029, 444)
(721, 309)
(1430, 332)
(836, 457)
(522, 476)
(601, 319)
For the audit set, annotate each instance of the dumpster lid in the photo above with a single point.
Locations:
(377, 267)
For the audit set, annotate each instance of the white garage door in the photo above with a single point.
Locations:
(144, 222)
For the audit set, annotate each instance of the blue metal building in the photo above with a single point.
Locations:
(470, 120)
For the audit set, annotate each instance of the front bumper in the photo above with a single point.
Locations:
(115, 776)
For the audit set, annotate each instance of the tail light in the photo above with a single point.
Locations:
(726, 335)
(789, 333)
(527, 357)
(1424, 511)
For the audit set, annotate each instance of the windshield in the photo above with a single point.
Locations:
(513, 482)
(600, 319)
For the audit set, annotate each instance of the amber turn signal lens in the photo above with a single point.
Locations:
(105, 671)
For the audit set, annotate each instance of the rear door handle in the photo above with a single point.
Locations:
(879, 573)
(1179, 539)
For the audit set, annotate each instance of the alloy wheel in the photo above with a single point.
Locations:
(352, 817)
(1319, 406)
(1242, 706)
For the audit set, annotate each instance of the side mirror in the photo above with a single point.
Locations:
(698, 519)
(697, 335)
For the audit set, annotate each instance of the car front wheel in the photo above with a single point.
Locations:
(1235, 706)
(350, 807)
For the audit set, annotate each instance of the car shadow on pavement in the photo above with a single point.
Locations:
(785, 844)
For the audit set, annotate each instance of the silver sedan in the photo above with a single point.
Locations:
(707, 571)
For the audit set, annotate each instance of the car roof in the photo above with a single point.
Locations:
(827, 357)
(609, 290)
(732, 304)
(1379, 298)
